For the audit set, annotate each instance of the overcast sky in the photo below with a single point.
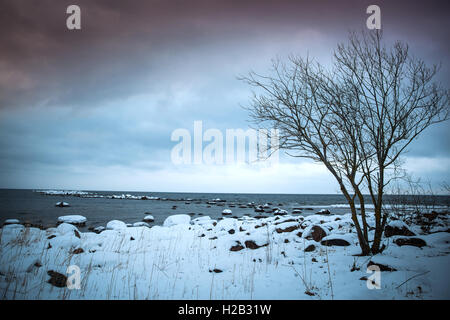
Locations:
(94, 109)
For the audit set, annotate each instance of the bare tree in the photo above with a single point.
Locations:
(356, 119)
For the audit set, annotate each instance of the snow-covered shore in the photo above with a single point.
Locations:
(247, 258)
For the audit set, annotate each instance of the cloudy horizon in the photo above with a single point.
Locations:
(94, 109)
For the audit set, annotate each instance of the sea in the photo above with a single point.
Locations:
(99, 207)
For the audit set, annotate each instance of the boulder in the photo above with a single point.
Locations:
(280, 212)
(315, 233)
(416, 242)
(141, 224)
(11, 221)
(62, 204)
(149, 218)
(57, 279)
(66, 228)
(397, 228)
(337, 240)
(237, 247)
(383, 267)
(324, 212)
(73, 219)
(177, 219)
(287, 229)
(116, 225)
(310, 248)
(250, 244)
(227, 212)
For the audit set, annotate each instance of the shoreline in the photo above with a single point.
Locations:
(278, 257)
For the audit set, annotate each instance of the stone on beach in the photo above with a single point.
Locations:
(73, 219)
(177, 219)
(116, 225)
(149, 218)
(10, 221)
(62, 204)
(226, 212)
(141, 224)
(397, 228)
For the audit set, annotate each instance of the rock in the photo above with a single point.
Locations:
(335, 242)
(73, 219)
(148, 218)
(259, 209)
(324, 212)
(11, 221)
(288, 229)
(237, 247)
(250, 244)
(99, 229)
(310, 248)
(416, 242)
(116, 225)
(177, 219)
(231, 231)
(62, 204)
(280, 212)
(215, 270)
(431, 216)
(66, 228)
(397, 228)
(77, 234)
(316, 233)
(78, 251)
(141, 224)
(226, 212)
(383, 267)
(296, 211)
(57, 279)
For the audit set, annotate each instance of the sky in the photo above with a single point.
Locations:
(94, 109)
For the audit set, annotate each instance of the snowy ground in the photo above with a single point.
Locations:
(244, 258)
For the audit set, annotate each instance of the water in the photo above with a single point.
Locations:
(99, 208)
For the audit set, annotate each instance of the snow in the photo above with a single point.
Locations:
(74, 219)
(173, 261)
(227, 211)
(177, 219)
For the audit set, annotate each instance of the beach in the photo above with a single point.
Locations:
(281, 256)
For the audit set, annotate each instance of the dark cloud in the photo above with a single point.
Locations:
(111, 93)
(124, 47)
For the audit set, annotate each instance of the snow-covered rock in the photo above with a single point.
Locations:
(66, 228)
(280, 212)
(177, 219)
(226, 212)
(73, 219)
(61, 204)
(149, 218)
(11, 221)
(116, 225)
(397, 228)
(141, 224)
